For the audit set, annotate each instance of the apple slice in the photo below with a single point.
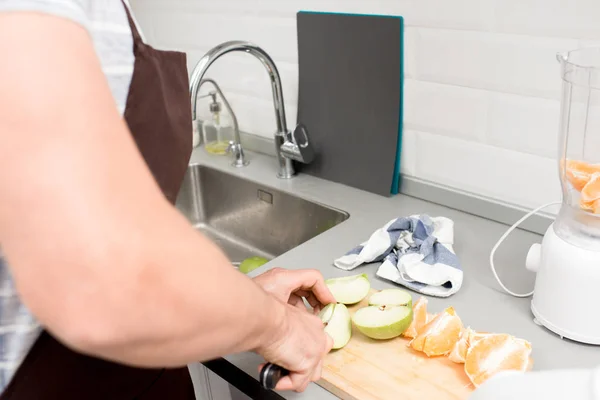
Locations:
(349, 289)
(383, 322)
(338, 325)
(391, 297)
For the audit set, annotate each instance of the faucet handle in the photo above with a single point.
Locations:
(297, 145)
(239, 160)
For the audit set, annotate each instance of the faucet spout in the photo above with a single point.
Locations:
(286, 147)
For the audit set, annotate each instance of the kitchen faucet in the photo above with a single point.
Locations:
(288, 145)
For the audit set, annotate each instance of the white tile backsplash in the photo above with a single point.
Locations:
(408, 157)
(509, 63)
(505, 175)
(410, 53)
(525, 124)
(455, 14)
(481, 80)
(558, 18)
(450, 110)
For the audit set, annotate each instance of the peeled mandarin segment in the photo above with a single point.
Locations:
(474, 337)
(586, 206)
(529, 364)
(440, 335)
(467, 339)
(596, 207)
(459, 351)
(579, 173)
(591, 191)
(582, 167)
(578, 180)
(590, 195)
(523, 342)
(593, 207)
(419, 318)
(494, 353)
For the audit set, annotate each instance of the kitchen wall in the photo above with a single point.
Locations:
(482, 84)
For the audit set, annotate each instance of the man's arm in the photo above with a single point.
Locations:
(98, 255)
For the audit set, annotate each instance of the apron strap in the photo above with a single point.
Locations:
(137, 38)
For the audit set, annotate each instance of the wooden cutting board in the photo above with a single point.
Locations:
(367, 369)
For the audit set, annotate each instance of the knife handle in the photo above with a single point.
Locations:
(270, 374)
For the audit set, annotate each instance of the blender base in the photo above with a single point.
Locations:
(567, 288)
(562, 333)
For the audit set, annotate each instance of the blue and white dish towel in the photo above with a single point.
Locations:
(417, 252)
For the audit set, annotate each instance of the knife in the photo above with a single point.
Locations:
(270, 374)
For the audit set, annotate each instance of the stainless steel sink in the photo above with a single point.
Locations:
(248, 219)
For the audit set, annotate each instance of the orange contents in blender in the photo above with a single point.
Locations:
(590, 194)
(585, 178)
(579, 173)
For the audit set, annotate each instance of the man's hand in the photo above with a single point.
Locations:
(298, 344)
(291, 286)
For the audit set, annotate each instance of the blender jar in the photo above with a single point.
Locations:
(578, 221)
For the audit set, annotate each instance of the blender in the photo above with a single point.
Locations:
(567, 261)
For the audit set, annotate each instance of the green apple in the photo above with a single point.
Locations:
(349, 289)
(383, 322)
(338, 324)
(391, 297)
(251, 263)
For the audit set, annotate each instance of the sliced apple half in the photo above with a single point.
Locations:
(338, 324)
(391, 297)
(383, 322)
(349, 289)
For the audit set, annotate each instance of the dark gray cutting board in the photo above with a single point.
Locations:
(349, 97)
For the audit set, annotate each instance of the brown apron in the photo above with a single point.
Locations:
(159, 116)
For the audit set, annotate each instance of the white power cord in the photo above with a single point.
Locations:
(512, 228)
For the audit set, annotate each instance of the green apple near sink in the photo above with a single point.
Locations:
(251, 263)
(349, 289)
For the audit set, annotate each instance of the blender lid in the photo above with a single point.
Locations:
(581, 66)
(583, 57)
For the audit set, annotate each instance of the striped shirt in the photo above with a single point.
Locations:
(107, 24)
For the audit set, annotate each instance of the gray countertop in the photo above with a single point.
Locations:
(480, 303)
